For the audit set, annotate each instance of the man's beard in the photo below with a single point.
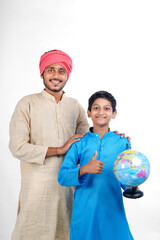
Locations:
(53, 90)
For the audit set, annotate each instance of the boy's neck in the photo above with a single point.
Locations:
(102, 130)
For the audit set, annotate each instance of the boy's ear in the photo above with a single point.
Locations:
(88, 113)
(114, 115)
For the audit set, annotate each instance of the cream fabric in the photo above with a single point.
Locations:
(38, 122)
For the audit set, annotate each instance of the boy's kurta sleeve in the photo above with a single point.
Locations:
(19, 144)
(69, 171)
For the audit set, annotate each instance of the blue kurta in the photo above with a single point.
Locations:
(98, 210)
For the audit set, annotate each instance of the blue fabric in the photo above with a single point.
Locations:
(98, 210)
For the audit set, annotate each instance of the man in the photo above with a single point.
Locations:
(42, 129)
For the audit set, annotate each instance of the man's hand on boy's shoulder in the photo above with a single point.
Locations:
(77, 137)
(123, 135)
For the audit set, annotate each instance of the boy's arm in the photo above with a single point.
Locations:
(93, 167)
(69, 171)
(71, 175)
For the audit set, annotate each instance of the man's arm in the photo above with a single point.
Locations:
(62, 150)
(82, 122)
(19, 131)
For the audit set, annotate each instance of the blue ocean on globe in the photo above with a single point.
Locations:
(131, 168)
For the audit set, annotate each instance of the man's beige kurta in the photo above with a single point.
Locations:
(38, 122)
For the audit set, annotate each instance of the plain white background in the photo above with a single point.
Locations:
(115, 46)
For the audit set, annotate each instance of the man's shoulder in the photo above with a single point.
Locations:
(30, 97)
(71, 99)
(73, 103)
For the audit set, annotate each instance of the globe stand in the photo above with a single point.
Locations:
(133, 193)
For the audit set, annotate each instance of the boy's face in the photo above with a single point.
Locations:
(101, 112)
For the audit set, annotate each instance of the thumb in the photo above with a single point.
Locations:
(95, 155)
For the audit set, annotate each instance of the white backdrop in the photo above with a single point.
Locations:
(115, 46)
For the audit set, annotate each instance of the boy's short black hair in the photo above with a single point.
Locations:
(102, 94)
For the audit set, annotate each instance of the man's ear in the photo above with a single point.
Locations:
(114, 115)
(88, 113)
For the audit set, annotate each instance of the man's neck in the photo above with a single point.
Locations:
(56, 95)
(102, 130)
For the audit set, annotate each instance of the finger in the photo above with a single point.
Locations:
(76, 136)
(73, 141)
(122, 135)
(129, 139)
(76, 140)
(95, 155)
(100, 167)
(99, 172)
(79, 135)
(116, 132)
(100, 163)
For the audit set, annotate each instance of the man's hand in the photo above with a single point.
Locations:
(53, 151)
(94, 166)
(67, 145)
(123, 135)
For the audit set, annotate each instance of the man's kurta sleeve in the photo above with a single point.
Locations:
(69, 171)
(82, 123)
(19, 144)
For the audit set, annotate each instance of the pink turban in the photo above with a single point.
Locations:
(55, 56)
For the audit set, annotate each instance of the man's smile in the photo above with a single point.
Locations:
(56, 81)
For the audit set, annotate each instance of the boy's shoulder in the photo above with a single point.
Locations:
(117, 137)
(82, 140)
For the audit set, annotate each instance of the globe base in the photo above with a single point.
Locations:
(133, 193)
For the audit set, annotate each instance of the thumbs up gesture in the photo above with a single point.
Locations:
(93, 167)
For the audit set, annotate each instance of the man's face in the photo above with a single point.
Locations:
(54, 78)
(101, 112)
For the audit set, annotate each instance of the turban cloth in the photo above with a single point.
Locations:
(55, 56)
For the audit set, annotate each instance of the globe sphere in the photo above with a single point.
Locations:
(131, 168)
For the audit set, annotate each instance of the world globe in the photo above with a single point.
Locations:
(131, 168)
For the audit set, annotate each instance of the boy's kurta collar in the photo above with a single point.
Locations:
(52, 98)
(96, 135)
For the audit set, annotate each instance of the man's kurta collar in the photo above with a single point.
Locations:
(52, 98)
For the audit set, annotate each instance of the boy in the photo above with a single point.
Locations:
(98, 210)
